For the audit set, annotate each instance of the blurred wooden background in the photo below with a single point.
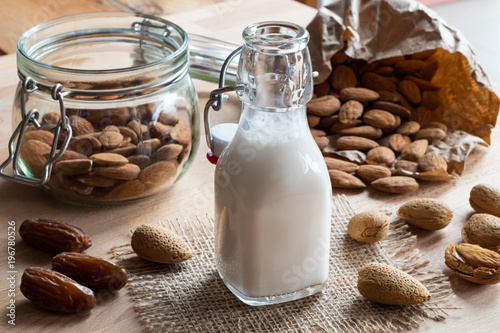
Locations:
(471, 17)
(20, 15)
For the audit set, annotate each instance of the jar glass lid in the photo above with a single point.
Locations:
(104, 51)
(103, 41)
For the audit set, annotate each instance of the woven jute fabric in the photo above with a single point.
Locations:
(191, 297)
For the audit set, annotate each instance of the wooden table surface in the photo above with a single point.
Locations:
(193, 195)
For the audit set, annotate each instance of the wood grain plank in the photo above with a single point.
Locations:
(109, 226)
(20, 15)
(193, 194)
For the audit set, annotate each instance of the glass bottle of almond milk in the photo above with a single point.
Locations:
(272, 189)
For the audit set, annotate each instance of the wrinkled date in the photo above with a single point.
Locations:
(93, 272)
(54, 236)
(56, 292)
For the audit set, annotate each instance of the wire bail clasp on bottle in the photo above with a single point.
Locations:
(30, 118)
(217, 96)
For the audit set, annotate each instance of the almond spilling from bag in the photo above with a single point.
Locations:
(483, 230)
(343, 77)
(355, 143)
(358, 94)
(379, 118)
(414, 150)
(321, 141)
(395, 109)
(336, 164)
(350, 111)
(340, 179)
(323, 106)
(431, 134)
(397, 184)
(485, 199)
(432, 162)
(159, 244)
(337, 127)
(410, 65)
(473, 263)
(390, 100)
(406, 166)
(380, 156)
(368, 227)
(410, 91)
(398, 142)
(426, 213)
(376, 82)
(371, 173)
(382, 283)
(366, 131)
(408, 128)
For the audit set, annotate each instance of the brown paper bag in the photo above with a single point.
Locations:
(375, 30)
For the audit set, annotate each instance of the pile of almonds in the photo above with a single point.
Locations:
(114, 154)
(384, 111)
(478, 259)
(382, 283)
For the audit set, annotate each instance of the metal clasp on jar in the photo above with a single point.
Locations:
(30, 118)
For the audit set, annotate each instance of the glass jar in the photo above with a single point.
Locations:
(121, 82)
(272, 189)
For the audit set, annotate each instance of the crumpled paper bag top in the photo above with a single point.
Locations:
(374, 30)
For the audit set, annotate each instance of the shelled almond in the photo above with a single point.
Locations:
(113, 154)
(383, 110)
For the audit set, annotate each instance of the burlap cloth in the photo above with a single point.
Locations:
(190, 297)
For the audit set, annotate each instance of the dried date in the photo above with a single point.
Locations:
(92, 272)
(54, 236)
(56, 292)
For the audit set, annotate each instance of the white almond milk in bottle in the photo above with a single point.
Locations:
(272, 190)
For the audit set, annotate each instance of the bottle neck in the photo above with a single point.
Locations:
(275, 68)
(273, 126)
